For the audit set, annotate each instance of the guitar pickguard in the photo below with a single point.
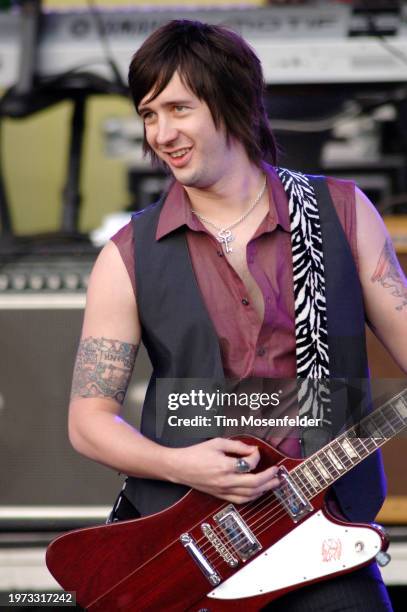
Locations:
(315, 548)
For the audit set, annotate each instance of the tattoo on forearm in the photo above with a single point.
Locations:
(103, 368)
(390, 275)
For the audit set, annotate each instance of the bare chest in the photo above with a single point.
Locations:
(235, 255)
(237, 259)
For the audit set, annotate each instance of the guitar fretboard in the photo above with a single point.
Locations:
(350, 448)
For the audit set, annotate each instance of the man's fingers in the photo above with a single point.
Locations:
(236, 447)
(251, 460)
(256, 481)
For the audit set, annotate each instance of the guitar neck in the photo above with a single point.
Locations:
(343, 453)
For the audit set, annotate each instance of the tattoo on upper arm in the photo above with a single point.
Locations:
(103, 368)
(390, 275)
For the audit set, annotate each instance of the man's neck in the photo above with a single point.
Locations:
(230, 197)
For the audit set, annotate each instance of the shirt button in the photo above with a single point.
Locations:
(261, 351)
(245, 302)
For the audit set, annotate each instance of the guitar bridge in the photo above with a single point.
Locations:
(202, 562)
(291, 497)
(238, 534)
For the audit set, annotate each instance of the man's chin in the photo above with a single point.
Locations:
(185, 176)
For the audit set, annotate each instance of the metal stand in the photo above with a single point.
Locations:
(31, 95)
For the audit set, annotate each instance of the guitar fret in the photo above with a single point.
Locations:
(349, 449)
(328, 461)
(317, 478)
(387, 423)
(400, 406)
(341, 454)
(335, 459)
(375, 419)
(304, 478)
(321, 469)
(398, 420)
(320, 479)
(392, 419)
(300, 482)
(310, 478)
(305, 484)
(374, 440)
(364, 451)
(372, 431)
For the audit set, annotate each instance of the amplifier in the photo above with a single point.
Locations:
(40, 333)
(45, 275)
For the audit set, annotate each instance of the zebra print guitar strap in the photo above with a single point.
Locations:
(309, 296)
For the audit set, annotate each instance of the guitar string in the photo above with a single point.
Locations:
(244, 512)
(249, 505)
(218, 562)
(261, 525)
(359, 446)
(248, 508)
(210, 515)
(375, 447)
(267, 523)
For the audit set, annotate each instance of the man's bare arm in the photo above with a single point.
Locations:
(103, 368)
(389, 274)
(383, 281)
(106, 355)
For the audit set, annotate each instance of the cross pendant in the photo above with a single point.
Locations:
(225, 236)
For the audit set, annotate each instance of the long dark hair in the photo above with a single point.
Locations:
(220, 68)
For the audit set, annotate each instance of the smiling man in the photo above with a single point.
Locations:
(206, 278)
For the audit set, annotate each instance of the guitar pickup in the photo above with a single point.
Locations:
(237, 533)
(291, 497)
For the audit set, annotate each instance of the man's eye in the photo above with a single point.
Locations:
(179, 108)
(147, 117)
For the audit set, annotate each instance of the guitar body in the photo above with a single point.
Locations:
(142, 565)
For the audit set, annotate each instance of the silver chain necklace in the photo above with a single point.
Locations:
(224, 234)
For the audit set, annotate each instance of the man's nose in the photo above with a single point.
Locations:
(166, 131)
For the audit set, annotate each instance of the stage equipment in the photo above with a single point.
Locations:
(319, 42)
(40, 333)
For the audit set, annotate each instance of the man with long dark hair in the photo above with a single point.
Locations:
(212, 279)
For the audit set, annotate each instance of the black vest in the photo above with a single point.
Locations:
(182, 343)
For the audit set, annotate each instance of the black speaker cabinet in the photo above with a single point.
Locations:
(39, 338)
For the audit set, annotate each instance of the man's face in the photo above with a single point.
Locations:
(180, 130)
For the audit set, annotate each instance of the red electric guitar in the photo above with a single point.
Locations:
(202, 554)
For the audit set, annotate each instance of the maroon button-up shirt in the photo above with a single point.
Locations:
(249, 347)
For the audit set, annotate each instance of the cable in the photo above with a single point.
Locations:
(316, 125)
(385, 42)
(73, 70)
(95, 14)
(390, 48)
(356, 108)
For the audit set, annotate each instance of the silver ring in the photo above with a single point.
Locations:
(241, 466)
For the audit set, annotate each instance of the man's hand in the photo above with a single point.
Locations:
(209, 467)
